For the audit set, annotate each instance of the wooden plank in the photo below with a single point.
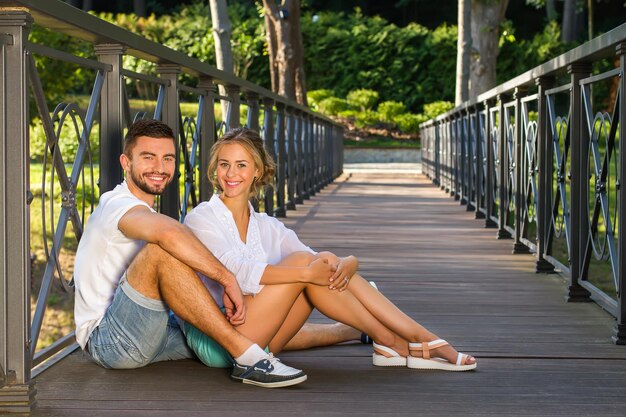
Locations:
(538, 355)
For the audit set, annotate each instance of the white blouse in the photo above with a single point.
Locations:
(268, 241)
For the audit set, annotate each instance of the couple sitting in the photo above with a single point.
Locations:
(236, 280)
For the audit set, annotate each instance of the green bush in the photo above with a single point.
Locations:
(432, 110)
(362, 98)
(348, 114)
(367, 118)
(388, 110)
(409, 123)
(332, 106)
(315, 96)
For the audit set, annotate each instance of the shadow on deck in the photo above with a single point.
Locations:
(538, 355)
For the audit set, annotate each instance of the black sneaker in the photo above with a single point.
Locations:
(268, 373)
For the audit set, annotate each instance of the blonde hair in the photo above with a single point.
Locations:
(251, 142)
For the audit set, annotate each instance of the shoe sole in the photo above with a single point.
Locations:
(437, 364)
(380, 360)
(277, 384)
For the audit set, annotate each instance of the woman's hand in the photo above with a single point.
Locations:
(346, 268)
(319, 272)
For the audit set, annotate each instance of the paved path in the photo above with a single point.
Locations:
(538, 355)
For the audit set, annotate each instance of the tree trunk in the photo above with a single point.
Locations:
(572, 21)
(139, 6)
(486, 16)
(284, 40)
(551, 13)
(223, 49)
(463, 51)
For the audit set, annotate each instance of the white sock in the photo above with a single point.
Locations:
(251, 356)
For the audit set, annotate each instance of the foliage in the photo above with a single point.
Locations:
(432, 110)
(409, 123)
(388, 110)
(518, 56)
(362, 98)
(366, 118)
(68, 142)
(332, 106)
(315, 96)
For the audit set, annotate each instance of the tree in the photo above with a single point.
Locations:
(486, 17)
(464, 45)
(221, 35)
(284, 44)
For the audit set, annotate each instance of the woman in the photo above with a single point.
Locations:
(283, 279)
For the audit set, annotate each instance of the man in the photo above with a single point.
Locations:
(133, 265)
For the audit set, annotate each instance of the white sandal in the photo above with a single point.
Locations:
(426, 362)
(394, 358)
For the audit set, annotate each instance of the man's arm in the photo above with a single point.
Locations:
(143, 224)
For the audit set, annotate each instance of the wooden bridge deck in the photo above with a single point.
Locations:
(538, 355)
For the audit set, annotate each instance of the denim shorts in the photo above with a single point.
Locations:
(136, 331)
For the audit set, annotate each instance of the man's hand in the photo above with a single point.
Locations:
(234, 303)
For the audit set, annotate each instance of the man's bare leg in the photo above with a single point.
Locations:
(157, 275)
(317, 335)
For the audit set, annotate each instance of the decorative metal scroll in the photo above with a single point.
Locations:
(510, 183)
(559, 136)
(53, 125)
(603, 185)
(529, 170)
(495, 145)
(189, 137)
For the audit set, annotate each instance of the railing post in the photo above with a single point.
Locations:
(437, 178)
(518, 246)
(291, 158)
(459, 171)
(503, 158)
(170, 199)
(479, 165)
(111, 116)
(17, 390)
(319, 155)
(268, 130)
(491, 167)
(306, 169)
(579, 145)
(469, 159)
(544, 181)
(312, 171)
(207, 137)
(619, 332)
(299, 160)
(232, 118)
(281, 162)
(253, 111)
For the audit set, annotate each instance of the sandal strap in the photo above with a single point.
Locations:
(460, 360)
(386, 349)
(425, 348)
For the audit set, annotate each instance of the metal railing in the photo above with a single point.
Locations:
(539, 158)
(307, 146)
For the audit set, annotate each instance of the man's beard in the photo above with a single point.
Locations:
(145, 187)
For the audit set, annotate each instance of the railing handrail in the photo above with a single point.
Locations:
(596, 48)
(64, 18)
(540, 158)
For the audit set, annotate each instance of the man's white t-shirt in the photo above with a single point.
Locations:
(103, 255)
(268, 241)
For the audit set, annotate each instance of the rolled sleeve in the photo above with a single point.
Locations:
(248, 272)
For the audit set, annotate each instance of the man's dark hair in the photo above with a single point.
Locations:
(145, 127)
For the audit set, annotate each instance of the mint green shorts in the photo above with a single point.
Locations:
(208, 350)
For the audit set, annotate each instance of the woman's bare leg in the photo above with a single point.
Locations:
(396, 320)
(296, 334)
